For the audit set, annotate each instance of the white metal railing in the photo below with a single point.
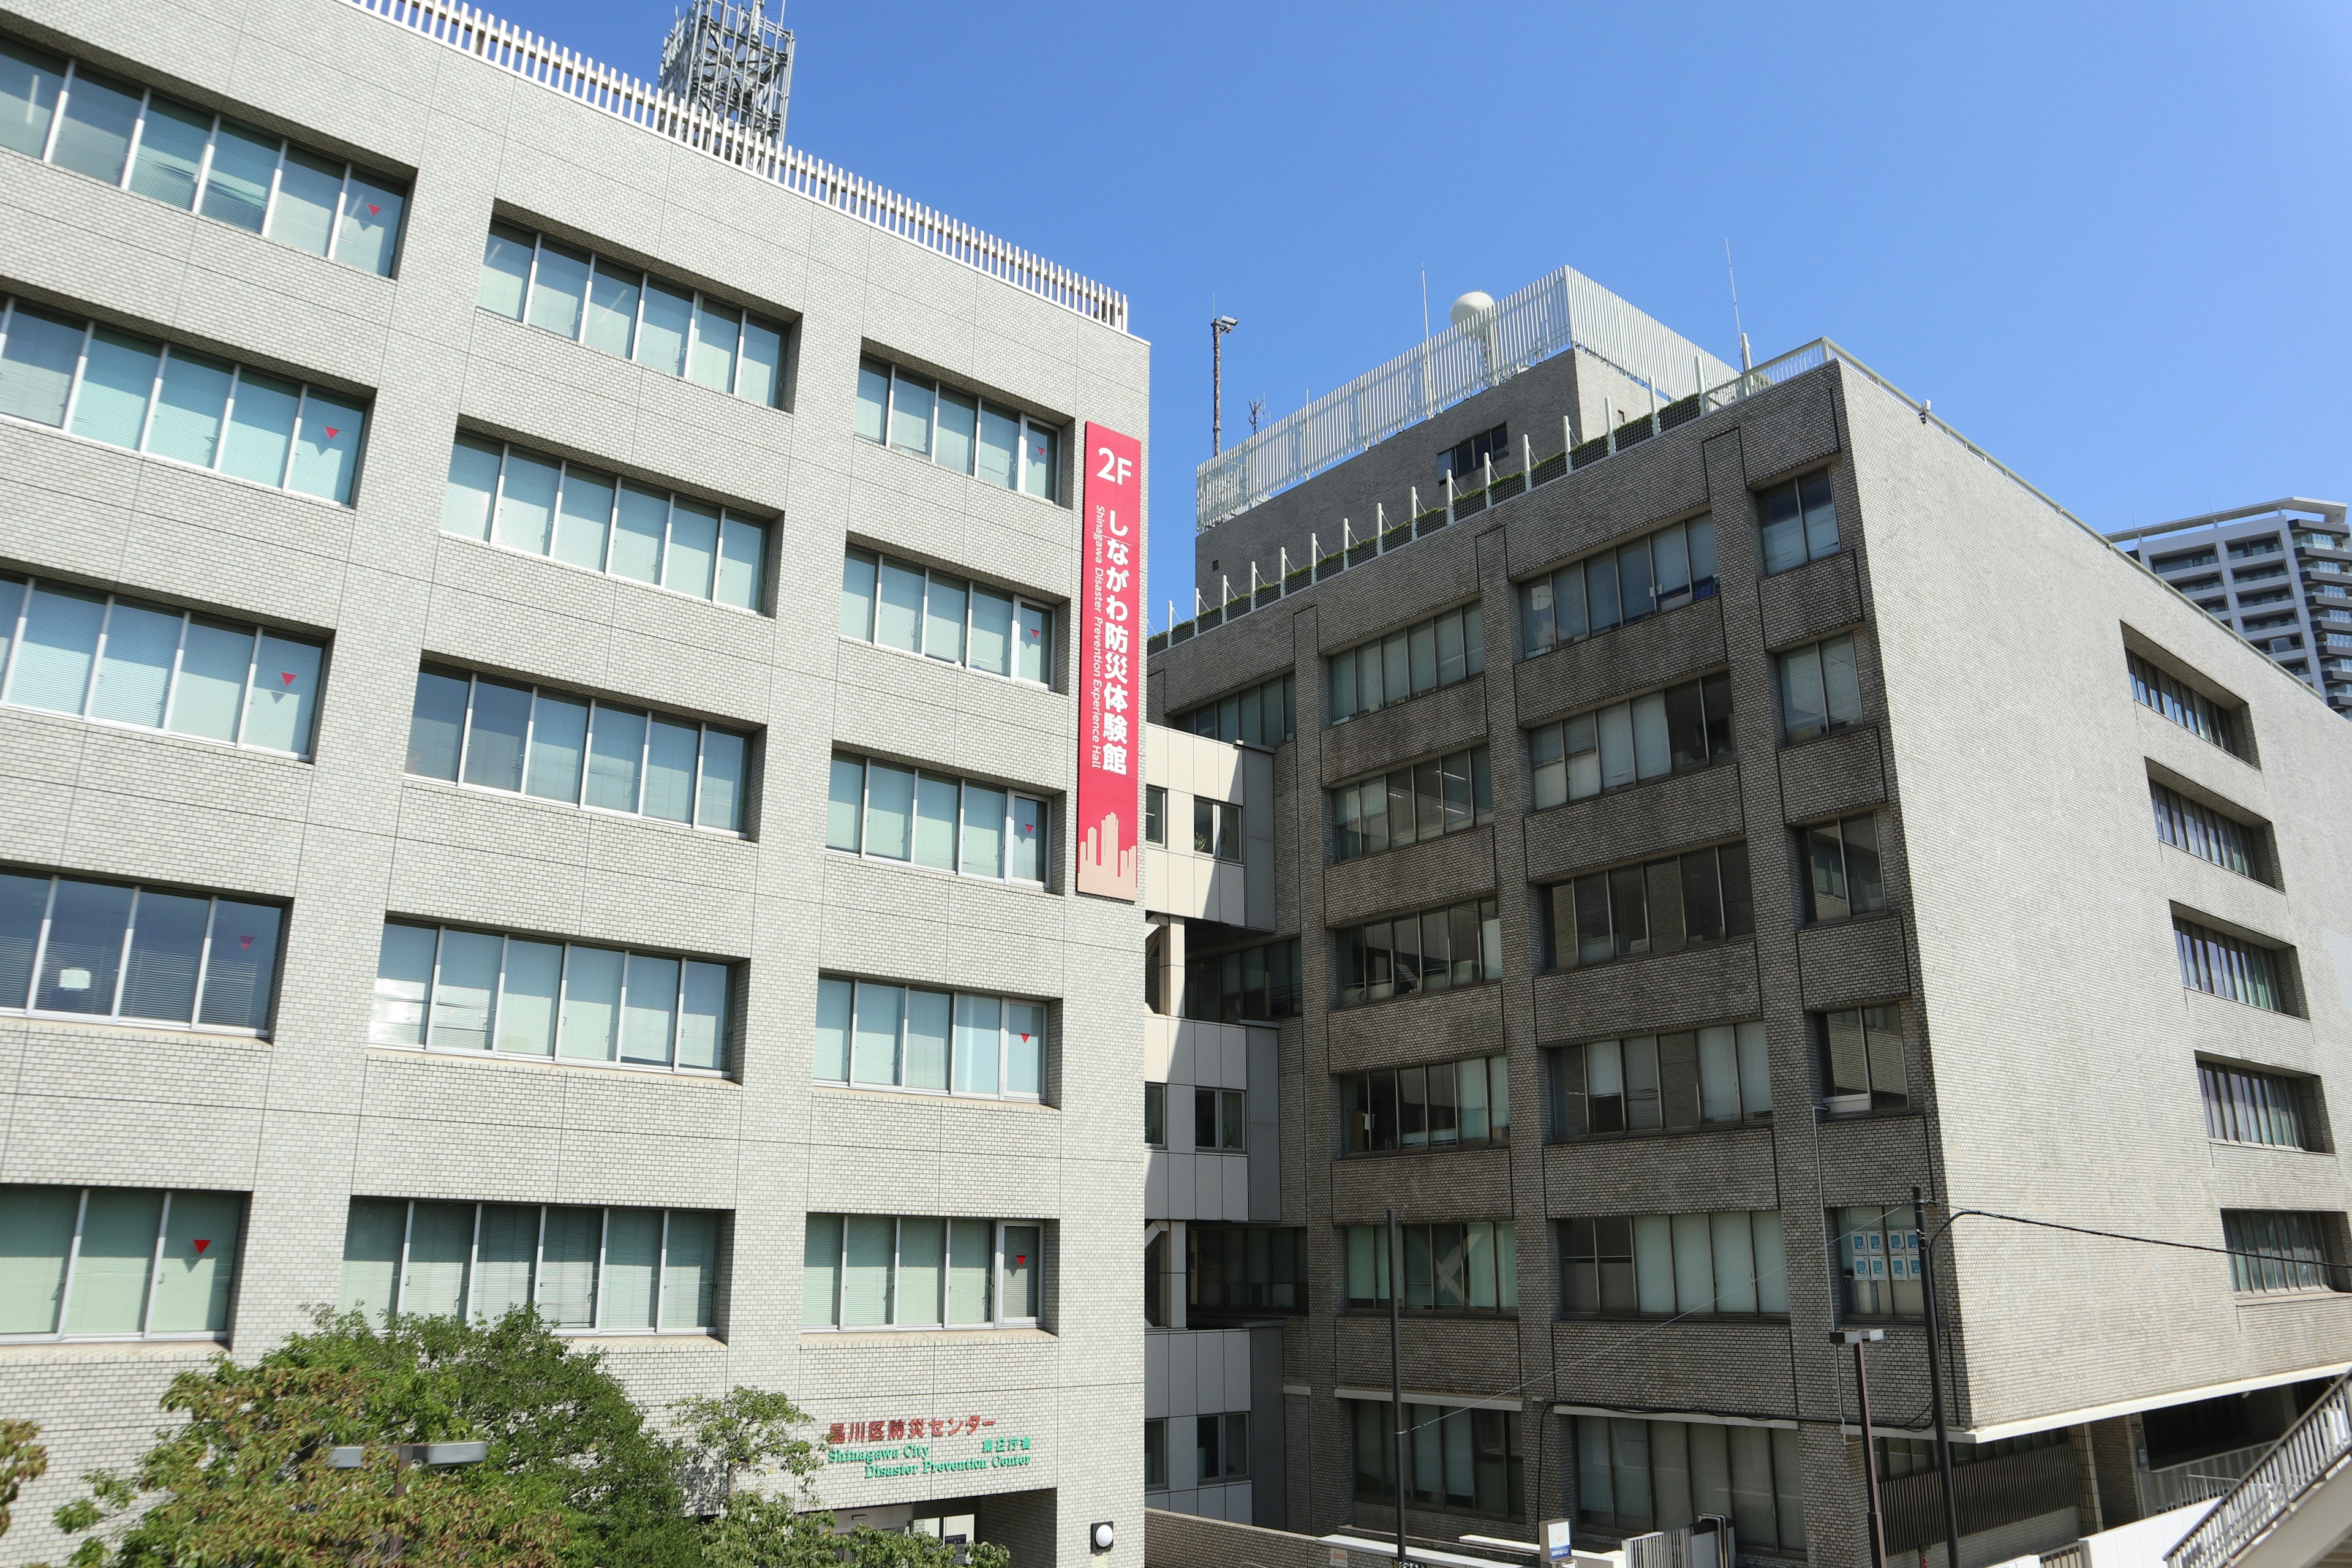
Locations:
(2199, 1480)
(477, 33)
(1563, 310)
(2315, 1447)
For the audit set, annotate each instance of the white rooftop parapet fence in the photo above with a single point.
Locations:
(510, 48)
(1567, 309)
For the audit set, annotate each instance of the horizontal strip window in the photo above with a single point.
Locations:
(1265, 714)
(119, 1263)
(2242, 1106)
(1664, 569)
(1454, 1457)
(1646, 1083)
(875, 1271)
(1820, 692)
(66, 113)
(586, 1270)
(542, 505)
(1692, 899)
(2228, 966)
(1732, 1264)
(1442, 651)
(1451, 1104)
(2284, 1249)
(1684, 727)
(938, 1042)
(982, 440)
(128, 391)
(1877, 1259)
(77, 949)
(1472, 1267)
(1250, 983)
(577, 751)
(1430, 799)
(1799, 521)
(453, 990)
(130, 661)
(896, 604)
(627, 312)
(2186, 706)
(1244, 1269)
(2203, 832)
(1846, 878)
(1863, 1062)
(888, 813)
(1633, 1477)
(1437, 949)
(1900, 1457)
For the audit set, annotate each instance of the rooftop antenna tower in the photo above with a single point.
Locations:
(733, 63)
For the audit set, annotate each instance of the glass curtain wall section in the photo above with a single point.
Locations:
(126, 135)
(2227, 967)
(588, 1270)
(116, 952)
(883, 1271)
(1820, 692)
(117, 387)
(632, 314)
(446, 988)
(896, 604)
(885, 811)
(1260, 981)
(1843, 857)
(1675, 1266)
(1635, 1476)
(2284, 1249)
(1799, 521)
(1454, 1457)
(1448, 1104)
(1451, 793)
(1681, 728)
(1716, 1075)
(1265, 714)
(1875, 1252)
(547, 506)
(117, 1263)
(1244, 1269)
(1464, 1268)
(1661, 571)
(2199, 830)
(1436, 949)
(874, 1035)
(1442, 651)
(119, 661)
(576, 751)
(2186, 706)
(1692, 899)
(922, 416)
(2242, 1106)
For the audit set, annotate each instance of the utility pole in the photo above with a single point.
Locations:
(1218, 327)
(1936, 1386)
(1396, 1368)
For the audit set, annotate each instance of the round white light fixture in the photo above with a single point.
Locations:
(1102, 1536)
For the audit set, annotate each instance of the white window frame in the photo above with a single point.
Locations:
(1012, 793)
(598, 1328)
(996, 1317)
(1003, 1043)
(62, 1335)
(113, 1017)
(1021, 602)
(1027, 421)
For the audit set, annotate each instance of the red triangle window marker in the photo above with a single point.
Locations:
(202, 1243)
(245, 942)
(373, 208)
(287, 676)
(1019, 1258)
(332, 432)
(1024, 1039)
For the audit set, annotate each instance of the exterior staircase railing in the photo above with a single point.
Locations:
(2315, 1447)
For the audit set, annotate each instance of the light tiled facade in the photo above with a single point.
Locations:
(307, 1116)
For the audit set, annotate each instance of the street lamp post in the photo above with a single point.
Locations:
(354, 1455)
(1858, 1338)
(1935, 1380)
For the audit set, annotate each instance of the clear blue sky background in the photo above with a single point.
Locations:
(2109, 241)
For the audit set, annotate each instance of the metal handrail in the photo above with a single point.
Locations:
(477, 33)
(2312, 1449)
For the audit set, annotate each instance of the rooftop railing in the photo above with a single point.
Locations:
(2314, 1448)
(1565, 311)
(477, 33)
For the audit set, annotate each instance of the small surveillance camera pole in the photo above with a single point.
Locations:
(1218, 328)
(1858, 1338)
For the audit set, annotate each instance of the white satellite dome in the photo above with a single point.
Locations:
(1472, 306)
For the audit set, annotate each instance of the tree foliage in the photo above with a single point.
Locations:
(21, 1460)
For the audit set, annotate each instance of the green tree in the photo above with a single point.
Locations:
(749, 1436)
(21, 1460)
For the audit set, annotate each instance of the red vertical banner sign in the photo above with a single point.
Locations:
(1110, 665)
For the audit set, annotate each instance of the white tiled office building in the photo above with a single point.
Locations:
(540, 708)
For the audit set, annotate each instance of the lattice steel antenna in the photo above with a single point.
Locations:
(731, 62)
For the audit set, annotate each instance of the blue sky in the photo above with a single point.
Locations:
(2108, 241)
